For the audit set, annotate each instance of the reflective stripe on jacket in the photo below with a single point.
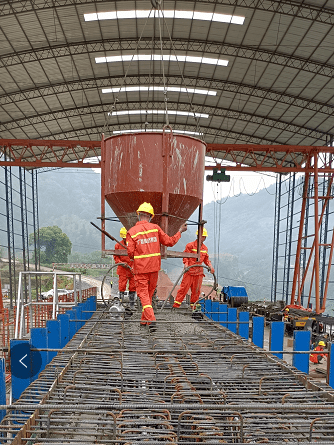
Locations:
(204, 258)
(121, 270)
(143, 242)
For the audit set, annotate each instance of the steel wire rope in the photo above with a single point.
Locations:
(197, 129)
(228, 196)
(158, 2)
(149, 82)
(241, 181)
(113, 107)
(182, 273)
(217, 226)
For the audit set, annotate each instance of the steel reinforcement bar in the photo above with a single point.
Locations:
(140, 389)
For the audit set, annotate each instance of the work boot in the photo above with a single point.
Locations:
(121, 296)
(152, 327)
(132, 300)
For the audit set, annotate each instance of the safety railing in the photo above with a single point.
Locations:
(35, 313)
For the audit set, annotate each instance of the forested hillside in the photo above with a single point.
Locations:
(240, 228)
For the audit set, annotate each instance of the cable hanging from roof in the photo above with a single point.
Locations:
(157, 6)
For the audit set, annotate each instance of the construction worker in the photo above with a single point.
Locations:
(125, 274)
(316, 358)
(143, 243)
(286, 314)
(194, 277)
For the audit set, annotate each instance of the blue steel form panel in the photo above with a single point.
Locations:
(331, 364)
(2, 387)
(53, 337)
(258, 331)
(38, 339)
(223, 314)
(215, 308)
(20, 362)
(276, 341)
(78, 312)
(244, 328)
(82, 306)
(208, 308)
(301, 342)
(64, 320)
(85, 308)
(72, 314)
(232, 316)
(93, 303)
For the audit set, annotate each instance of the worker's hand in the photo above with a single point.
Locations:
(183, 228)
(212, 270)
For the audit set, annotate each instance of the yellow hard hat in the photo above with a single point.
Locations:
(287, 309)
(146, 207)
(123, 232)
(204, 233)
(322, 343)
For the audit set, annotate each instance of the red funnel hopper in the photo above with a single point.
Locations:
(160, 168)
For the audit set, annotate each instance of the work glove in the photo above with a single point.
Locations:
(212, 270)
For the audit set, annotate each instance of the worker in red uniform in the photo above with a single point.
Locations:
(316, 358)
(143, 243)
(125, 274)
(286, 314)
(194, 277)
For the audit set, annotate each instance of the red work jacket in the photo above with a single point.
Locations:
(121, 270)
(143, 241)
(204, 258)
(314, 357)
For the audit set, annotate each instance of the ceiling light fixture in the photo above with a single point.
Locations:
(166, 57)
(140, 130)
(169, 14)
(175, 112)
(157, 88)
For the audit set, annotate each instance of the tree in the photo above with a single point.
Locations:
(54, 245)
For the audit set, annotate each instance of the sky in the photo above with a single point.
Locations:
(241, 182)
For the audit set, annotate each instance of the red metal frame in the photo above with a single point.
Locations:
(268, 158)
(35, 153)
(259, 155)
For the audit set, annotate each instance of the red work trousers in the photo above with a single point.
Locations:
(145, 287)
(123, 281)
(189, 281)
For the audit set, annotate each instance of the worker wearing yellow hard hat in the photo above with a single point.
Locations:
(193, 277)
(143, 243)
(125, 274)
(317, 358)
(146, 208)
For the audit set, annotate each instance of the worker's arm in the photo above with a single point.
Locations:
(120, 259)
(170, 241)
(131, 246)
(207, 262)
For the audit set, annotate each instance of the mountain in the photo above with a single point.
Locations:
(240, 229)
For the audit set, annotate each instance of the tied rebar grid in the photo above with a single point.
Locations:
(159, 388)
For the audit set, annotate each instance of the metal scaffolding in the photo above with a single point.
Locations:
(303, 203)
(19, 219)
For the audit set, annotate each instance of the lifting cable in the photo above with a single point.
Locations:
(113, 107)
(197, 129)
